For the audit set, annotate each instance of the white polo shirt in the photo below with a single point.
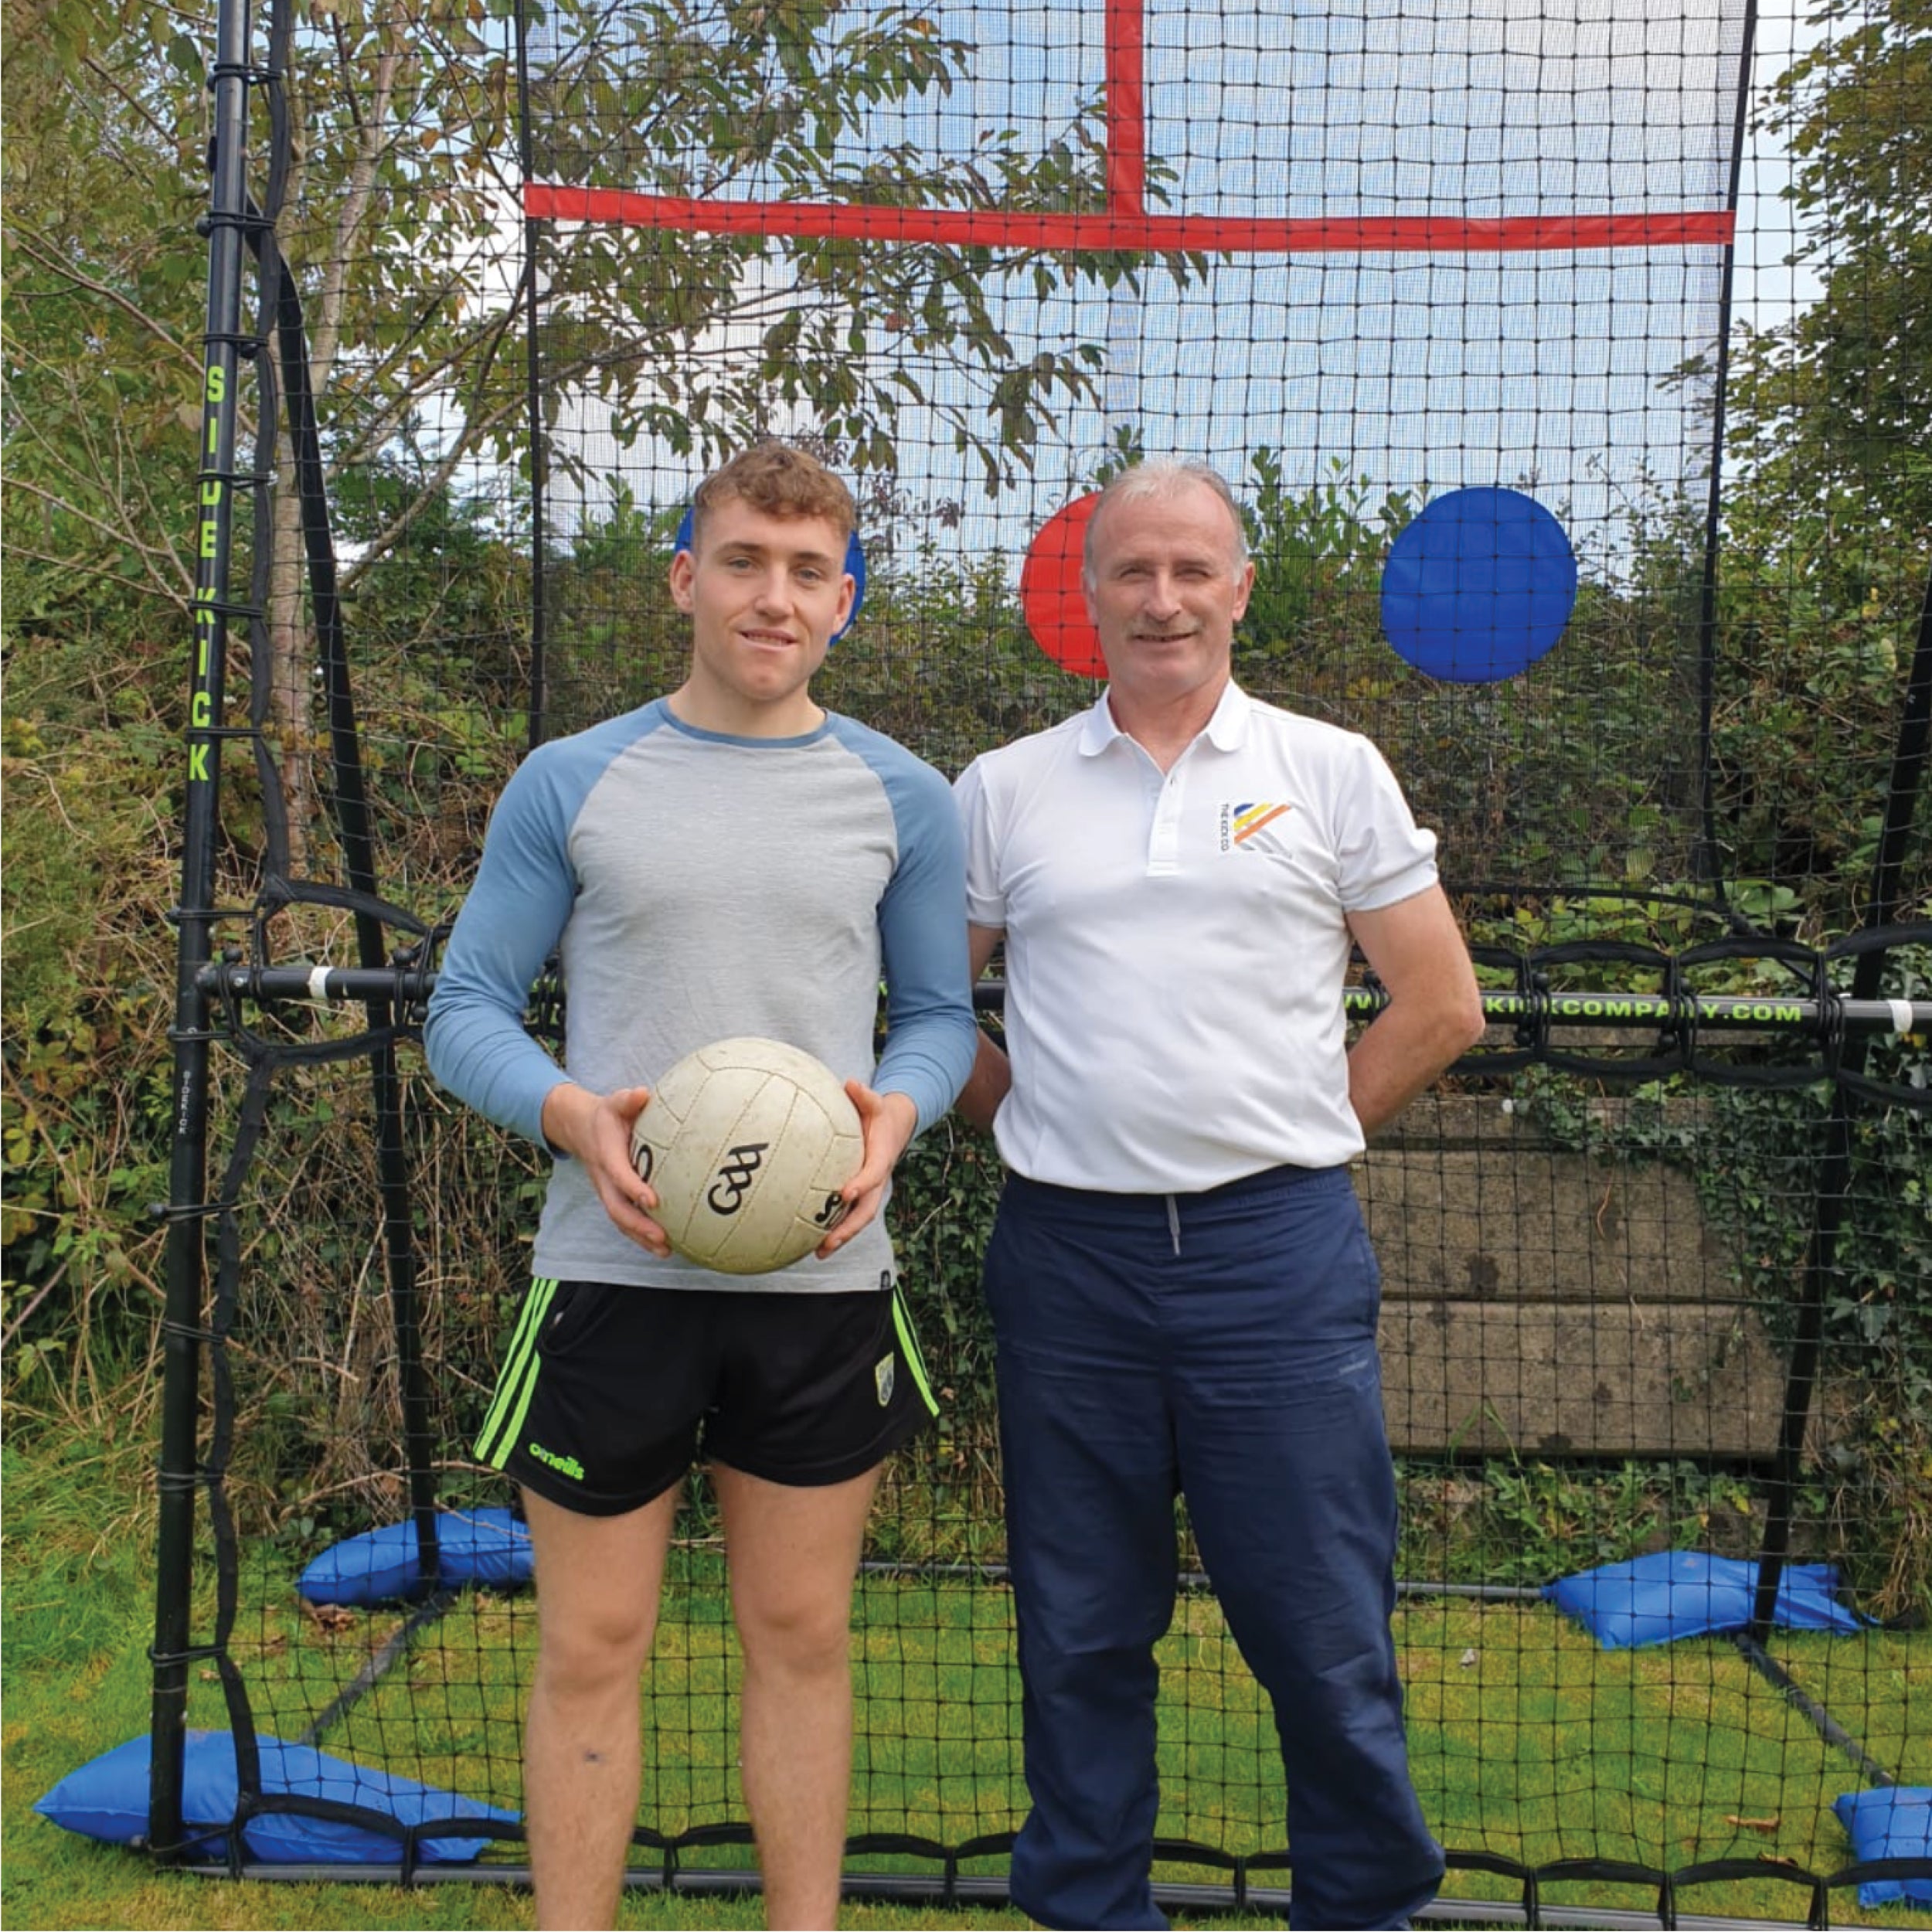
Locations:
(1176, 946)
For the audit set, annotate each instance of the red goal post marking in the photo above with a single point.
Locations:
(1202, 234)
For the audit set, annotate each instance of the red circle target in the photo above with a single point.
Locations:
(1051, 595)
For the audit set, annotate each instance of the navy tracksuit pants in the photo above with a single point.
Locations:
(1222, 1345)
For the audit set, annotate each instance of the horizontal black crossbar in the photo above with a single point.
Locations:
(1653, 1012)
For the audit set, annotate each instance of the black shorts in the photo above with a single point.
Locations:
(608, 1395)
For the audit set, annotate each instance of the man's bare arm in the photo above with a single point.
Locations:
(1434, 1013)
(987, 1085)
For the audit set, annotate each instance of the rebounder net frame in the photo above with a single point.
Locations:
(981, 259)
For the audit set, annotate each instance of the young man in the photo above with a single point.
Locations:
(729, 859)
(1181, 1285)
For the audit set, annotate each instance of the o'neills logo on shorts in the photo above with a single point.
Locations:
(883, 1375)
(563, 1465)
(1241, 824)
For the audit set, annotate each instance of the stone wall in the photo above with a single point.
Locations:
(1555, 1303)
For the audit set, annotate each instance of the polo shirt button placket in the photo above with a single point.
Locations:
(1164, 848)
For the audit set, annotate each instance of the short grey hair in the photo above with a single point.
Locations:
(1164, 477)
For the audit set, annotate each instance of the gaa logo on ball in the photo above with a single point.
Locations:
(747, 1142)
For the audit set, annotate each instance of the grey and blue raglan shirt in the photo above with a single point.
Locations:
(696, 886)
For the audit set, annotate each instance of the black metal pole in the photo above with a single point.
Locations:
(409, 986)
(186, 1257)
(349, 792)
(1710, 864)
(539, 727)
(1908, 765)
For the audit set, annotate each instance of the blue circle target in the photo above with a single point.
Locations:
(1479, 587)
(855, 569)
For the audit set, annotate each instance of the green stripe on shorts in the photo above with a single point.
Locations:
(517, 1383)
(909, 1347)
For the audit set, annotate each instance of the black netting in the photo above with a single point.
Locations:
(1656, 1256)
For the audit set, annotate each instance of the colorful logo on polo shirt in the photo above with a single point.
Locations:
(1243, 824)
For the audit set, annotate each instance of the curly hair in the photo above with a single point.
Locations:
(780, 480)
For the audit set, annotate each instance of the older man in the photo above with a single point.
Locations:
(1183, 1292)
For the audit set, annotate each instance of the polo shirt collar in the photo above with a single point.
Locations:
(1227, 730)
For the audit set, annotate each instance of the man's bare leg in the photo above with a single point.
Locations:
(597, 1579)
(793, 1553)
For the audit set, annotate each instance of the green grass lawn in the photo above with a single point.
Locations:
(1529, 1741)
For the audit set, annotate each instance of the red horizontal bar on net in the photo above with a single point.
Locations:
(1205, 234)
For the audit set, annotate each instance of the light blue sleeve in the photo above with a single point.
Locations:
(931, 1035)
(525, 886)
